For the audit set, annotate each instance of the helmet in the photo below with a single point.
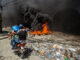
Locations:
(20, 25)
(15, 28)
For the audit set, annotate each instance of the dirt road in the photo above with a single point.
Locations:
(6, 53)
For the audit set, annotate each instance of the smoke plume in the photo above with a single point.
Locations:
(13, 10)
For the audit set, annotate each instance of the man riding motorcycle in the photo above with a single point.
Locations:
(21, 41)
(22, 35)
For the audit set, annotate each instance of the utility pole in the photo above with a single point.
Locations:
(0, 17)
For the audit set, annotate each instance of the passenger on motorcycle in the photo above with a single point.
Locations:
(14, 40)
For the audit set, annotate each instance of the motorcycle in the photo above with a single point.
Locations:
(20, 48)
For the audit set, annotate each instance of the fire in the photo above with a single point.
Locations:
(44, 30)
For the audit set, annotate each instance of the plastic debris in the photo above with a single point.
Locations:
(54, 46)
(54, 51)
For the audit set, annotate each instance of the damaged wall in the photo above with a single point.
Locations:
(13, 12)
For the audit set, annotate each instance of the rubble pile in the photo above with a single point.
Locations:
(54, 51)
(41, 37)
(57, 37)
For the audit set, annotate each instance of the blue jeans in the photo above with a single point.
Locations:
(14, 40)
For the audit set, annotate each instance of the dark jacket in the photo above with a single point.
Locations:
(22, 33)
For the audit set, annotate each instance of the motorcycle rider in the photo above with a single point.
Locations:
(22, 33)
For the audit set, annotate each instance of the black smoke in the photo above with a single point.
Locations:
(67, 20)
(68, 10)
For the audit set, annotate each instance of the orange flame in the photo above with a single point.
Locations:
(44, 30)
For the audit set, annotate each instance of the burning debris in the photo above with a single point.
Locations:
(46, 46)
(44, 31)
(34, 18)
